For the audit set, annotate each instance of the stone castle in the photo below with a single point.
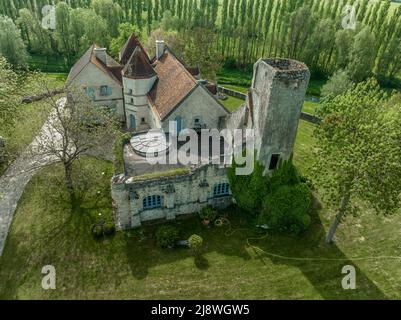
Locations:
(148, 93)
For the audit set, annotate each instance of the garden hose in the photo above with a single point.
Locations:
(230, 231)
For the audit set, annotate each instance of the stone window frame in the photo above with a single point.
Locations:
(154, 201)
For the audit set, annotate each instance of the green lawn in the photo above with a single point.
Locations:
(51, 63)
(130, 265)
(309, 107)
(232, 103)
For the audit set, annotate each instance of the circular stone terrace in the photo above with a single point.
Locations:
(154, 142)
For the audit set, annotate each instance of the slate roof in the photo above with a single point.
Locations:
(112, 69)
(138, 66)
(173, 85)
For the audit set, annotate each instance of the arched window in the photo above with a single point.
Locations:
(152, 202)
(221, 189)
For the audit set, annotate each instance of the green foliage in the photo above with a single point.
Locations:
(208, 213)
(119, 142)
(97, 231)
(124, 32)
(9, 96)
(337, 84)
(109, 228)
(195, 243)
(249, 190)
(287, 208)
(358, 149)
(167, 236)
(11, 45)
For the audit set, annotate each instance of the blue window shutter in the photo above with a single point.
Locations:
(109, 91)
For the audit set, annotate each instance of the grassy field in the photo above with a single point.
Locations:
(130, 265)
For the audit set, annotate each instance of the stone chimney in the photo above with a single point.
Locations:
(160, 46)
(101, 54)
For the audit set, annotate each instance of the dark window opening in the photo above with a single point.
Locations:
(274, 161)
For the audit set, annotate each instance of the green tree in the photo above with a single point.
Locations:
(362, 55)
(11, 45)
(125, 30)
(358, 151)
(9, 94)
(337, 84)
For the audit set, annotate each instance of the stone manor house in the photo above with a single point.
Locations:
(149, 92)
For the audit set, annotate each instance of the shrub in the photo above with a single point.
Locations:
(97, 231)
(167, 236)
(109, 228)
(195, 243)
(249, 190)
(208, 213)
(287, 209)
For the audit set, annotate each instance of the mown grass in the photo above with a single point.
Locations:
(129, 265)
(161, 174)
(232, 103)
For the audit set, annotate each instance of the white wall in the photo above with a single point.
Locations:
(92, 76)
(198, 103)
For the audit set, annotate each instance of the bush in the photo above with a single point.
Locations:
(109, 228)
(97, 231)
(208, 213)
(195, 243)
(287, 209)
(167, 236)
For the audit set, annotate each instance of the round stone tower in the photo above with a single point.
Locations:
(277, 95)
(138, 79)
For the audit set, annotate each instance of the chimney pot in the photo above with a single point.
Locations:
(101, 54)
(160, 46)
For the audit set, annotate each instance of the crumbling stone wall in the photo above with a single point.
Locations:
(183, 194)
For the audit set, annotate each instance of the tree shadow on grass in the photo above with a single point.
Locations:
(201, 262)
(325, 276)
(143, 253)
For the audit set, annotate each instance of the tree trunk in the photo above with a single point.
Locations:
(339, 215)
(69, 183)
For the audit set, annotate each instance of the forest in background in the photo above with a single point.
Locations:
(216, 33)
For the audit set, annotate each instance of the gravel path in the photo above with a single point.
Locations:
(14, 181)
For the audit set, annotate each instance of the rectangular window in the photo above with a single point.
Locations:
(104, 91)
(221, 189)
(152, 202)
(274, 161)
(130, 91)
(132, 100)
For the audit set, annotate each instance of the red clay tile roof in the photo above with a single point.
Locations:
(174, 83)
(129, 49)
(112, 69)
(212, 87)
(138, 66)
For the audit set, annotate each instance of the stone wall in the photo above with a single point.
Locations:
(278, 93)
(181, 194)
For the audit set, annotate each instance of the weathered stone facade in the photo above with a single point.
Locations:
(181, 194)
